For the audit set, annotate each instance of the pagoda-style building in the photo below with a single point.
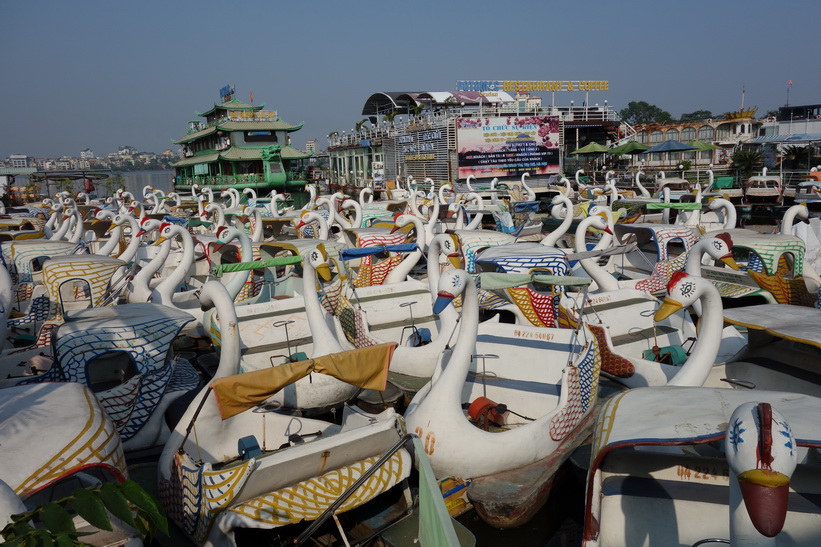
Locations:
(243, 146)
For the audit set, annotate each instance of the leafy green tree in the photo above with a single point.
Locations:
(638, 112)
(94, 505)
(113, 183)
(390, 116)
(697, 115)
(360, 124)
(745, 162)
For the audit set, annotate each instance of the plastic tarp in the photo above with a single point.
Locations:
(495, 280)
(435, 525)
(256, 264)
(359, 252)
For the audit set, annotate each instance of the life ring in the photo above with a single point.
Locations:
(818, 116)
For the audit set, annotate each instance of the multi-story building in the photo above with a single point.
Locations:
(87, 154)
(19, 161)
(240, 145)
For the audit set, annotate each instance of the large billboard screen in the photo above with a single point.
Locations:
(507, 146)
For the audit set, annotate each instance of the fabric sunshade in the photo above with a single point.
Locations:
(358, 252)
(364, 367)
(256, 264)
(694, 206)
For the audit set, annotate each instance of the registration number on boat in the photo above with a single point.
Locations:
(702, 473)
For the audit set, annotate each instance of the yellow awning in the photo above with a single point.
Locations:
(365, 367)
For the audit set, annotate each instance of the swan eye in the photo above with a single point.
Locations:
(687, 289)
(717, 245)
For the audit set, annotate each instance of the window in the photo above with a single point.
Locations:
(655, 137)
(641, 137)
(671, 135)
(706, 133)
(110, 370)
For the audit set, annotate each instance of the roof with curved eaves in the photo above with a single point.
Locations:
(233, 104)
(237, 153)
(386, 101)
(228, 125)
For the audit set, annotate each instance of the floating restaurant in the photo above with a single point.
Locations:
(240, 145)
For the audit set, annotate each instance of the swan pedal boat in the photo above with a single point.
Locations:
(683, 465)
(547, 380)
(57, 438)
(234, 461)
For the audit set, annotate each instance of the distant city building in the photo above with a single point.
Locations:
(87, 154)
(126, 150)
(19, 160)
(310, 146)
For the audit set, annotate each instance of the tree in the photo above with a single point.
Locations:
(697, 115)
(390, 116)
(113, 183)
(360, 124)
(745, 162)
(642, 112)
(796, 157)
(92, 504)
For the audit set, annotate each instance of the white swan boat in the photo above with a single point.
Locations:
(696, 466)
(57, 438)
(547, 380)
(230, 463)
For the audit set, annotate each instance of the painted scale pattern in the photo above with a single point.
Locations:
(785, 290)
(582, 390)
(539, 308)
(662, 273)
(195, 494)
(611, 363)
(130, 404)
(471, 244)
(98, 442)
(372, 273)
(353, 321)
(770, 253)
(308, 499)
(664, 236)
(551, 264)
(22, 255)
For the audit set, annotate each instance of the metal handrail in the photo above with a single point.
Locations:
(329, 512)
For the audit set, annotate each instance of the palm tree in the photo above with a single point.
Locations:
(390, 116)
(360, 124)
(796, 156)
(745, 162)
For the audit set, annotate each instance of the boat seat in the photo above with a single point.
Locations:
(248, 448)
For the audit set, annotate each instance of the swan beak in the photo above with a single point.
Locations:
(442, 301)
(160, 240)
(668, 307)
(729, 261)
(454, 260)
(299, 225)
(395, 228)
(324, 272)
(765, 496)
(608, 230)
(141, 233)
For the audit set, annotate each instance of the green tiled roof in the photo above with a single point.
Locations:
(196, 135)
(290, 153)
(272, 125)
(203, 158)
(241, 154)
(233, 104)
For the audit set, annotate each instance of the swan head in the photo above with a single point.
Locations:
(761, 454)
(318, 260)
(146, 225)
(721, 248)
(449, 247)
(683, 290)
(451, 284)
(167, 231)
(226, 234)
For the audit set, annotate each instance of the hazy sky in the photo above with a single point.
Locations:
(99, 74)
